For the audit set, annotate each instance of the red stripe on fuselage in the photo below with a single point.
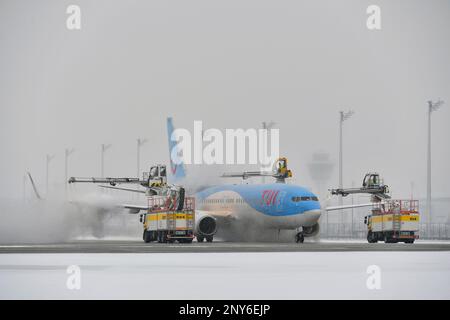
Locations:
(269, 197)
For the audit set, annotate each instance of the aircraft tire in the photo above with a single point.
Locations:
(209, 239)
(299, 237)
(200, 239)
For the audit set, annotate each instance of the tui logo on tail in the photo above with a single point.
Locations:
(177, 170)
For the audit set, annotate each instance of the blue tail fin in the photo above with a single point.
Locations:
(177, 170)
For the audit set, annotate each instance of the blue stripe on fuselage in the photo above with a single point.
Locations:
(271, 199)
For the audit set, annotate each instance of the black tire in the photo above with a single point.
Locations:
(299, 237)
(371, 238)
(209, 238)
(160, 237)
(148, 236)
(200, 239)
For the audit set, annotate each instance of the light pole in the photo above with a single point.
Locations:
(67, 153)
(432, 106)
(102, 164)
(320, 169)
(353, 201)
(48, 159)
(342, 117)
(140, 142)
(266, 126)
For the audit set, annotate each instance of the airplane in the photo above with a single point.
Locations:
(273, 206)
(231, 210)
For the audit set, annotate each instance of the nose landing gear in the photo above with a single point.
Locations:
(299, 237)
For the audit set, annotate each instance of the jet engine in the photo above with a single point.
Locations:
(205, 225)
(311, 231)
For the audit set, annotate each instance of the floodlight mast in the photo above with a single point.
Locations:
(102, 160)
(432, 107)
(48, 159)
(342, 117)
(67, 153)
(140, 143)
(266, 126)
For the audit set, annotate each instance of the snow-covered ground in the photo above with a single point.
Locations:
(290, 275)
(349, 240)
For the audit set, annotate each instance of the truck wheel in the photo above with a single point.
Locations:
(371, 237)
(148, 236)
(160, 237)
(209, 239)
(200, 239)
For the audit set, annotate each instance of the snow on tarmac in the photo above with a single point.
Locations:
(287, 275)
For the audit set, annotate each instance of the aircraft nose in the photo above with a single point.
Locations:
(313, 214)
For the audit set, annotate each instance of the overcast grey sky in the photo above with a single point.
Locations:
(232, 64)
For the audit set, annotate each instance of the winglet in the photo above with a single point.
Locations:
(34, 186)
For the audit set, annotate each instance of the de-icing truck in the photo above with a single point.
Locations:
(393, 221)
(163, 222)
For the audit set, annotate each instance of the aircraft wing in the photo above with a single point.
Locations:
(134, 208)
(222, 216)
(36, 193)
(349, 206)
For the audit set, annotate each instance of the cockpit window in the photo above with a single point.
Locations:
(298, 199)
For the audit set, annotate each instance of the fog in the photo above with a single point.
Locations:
(53, 220)
(231, 64)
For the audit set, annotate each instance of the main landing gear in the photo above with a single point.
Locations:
(208, 238)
